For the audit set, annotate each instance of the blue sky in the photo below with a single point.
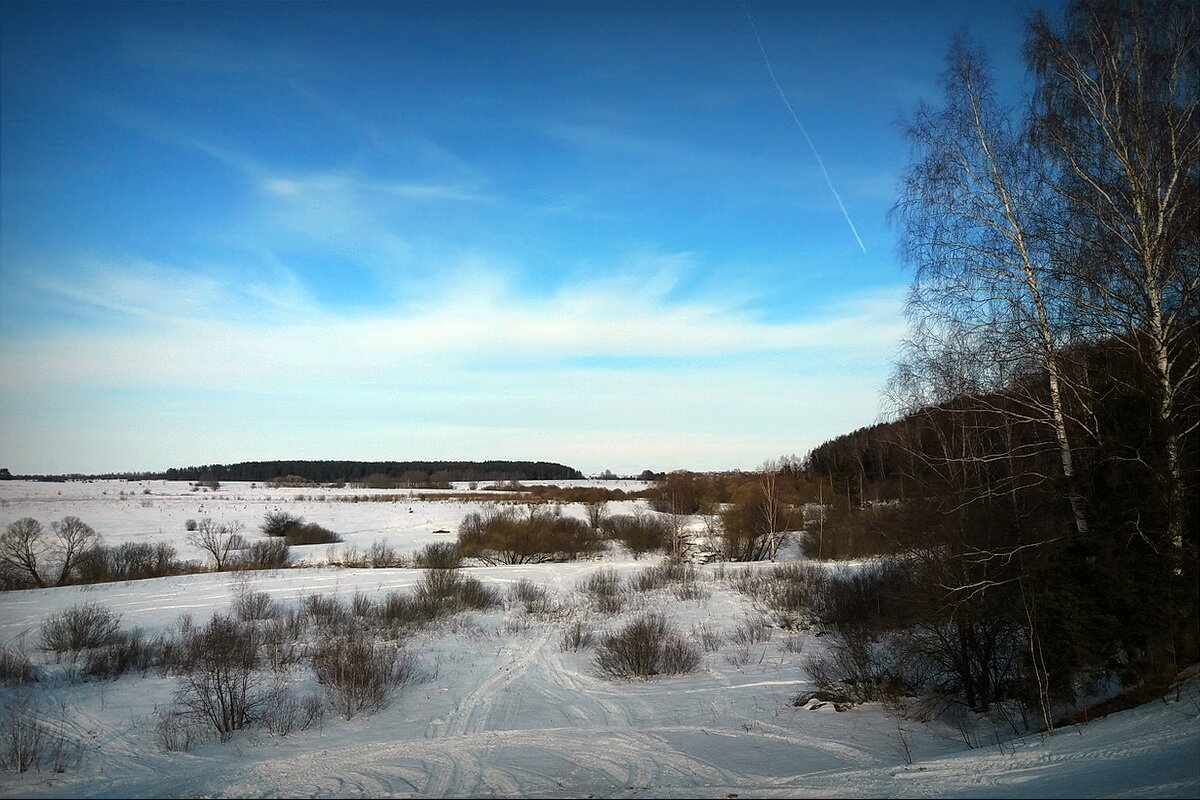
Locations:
(586, 232)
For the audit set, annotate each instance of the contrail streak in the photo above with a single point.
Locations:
(803, 130)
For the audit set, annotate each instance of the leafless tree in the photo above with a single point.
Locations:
(21, 548)
(45, 560)
(1117, 113)
(73, 536)
(772, 509)
(220, 541)
(975, 208)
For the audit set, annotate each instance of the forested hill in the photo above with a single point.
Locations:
(354, 471)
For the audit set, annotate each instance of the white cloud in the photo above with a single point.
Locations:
(584, 374)
(229, 334)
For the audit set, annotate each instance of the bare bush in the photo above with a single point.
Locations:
(646, 647)
(15, 667)
(539, 536)
(679, 657)
(79, 627)
(265, 554)
(753, 525)
(577, 637)
(438, 555)
(175, 731)
(595, 511)
(795, 593)
(879, 595)
(456, 590)
(751, 631)
(648, 580)
(361, 606)
(22, 738)
(311, 533)
(605, 589)
(31, 741)
(535, 598)
(708, 638)
(856, 666)
(280, 639)
(128, 652)
(641, 533)
(221, 686)
(126, 562)
(327, 612)
(686, 583)
(278, 524)
(357, 672)
(684, 580)
(295, 531)
(348, 557)
(398, 610)
(283, 712)
(249, 606)
(381, 555)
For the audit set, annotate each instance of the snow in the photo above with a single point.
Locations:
(504, 711)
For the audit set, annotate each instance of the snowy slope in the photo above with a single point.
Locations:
(504, 711)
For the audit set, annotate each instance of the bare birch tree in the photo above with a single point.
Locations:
(974, 209)
(1118, 115)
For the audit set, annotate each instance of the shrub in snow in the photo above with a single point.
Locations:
(31, 741)
(278, 523)
(605, 589)
(645, 647)
(221, 541)
(175, 731)
(327, 612)
(254, 605)
(283, 712)
(642, 533)
(456, 590)
(221, 684)
(15, 667)
(509, 537)
(855, 666)
(280, 638)
(381, 554)
(128, 652)
(577, 637)
(295, 531)
(357, 672)
(535, 598)
(438, 555)
(267, 554)
(684, 580)
(80, 627)
(752, 630)
(311, 533)
(127, 562)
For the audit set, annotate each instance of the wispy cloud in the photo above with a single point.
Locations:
(478, 371)
(190, 330)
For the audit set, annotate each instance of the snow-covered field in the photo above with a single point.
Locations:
(505, 711)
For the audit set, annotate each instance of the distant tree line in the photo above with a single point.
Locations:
(404, 473)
